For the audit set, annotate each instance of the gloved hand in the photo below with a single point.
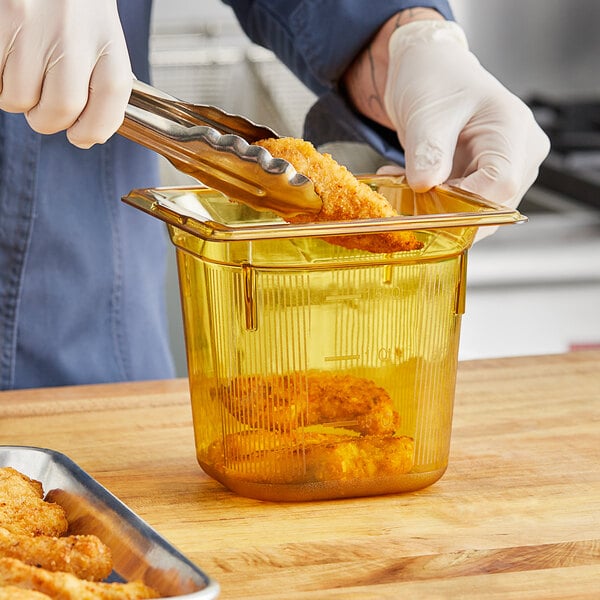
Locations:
(457, 122)
(65, 65)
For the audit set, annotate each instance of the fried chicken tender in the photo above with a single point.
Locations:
(342, 397)
(344, 197)
(23, 509)
(41, 563)
(301, 457)
(83, 555)
(10, 592)
(287, 402)
(66, 586)
(361, 458)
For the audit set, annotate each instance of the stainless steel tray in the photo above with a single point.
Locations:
(139, 552)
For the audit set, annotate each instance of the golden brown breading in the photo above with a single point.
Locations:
(290, 401)
(22, 508)
(344, 197)
(361, 458)
(11, 592)
(303, 457)
(335, 397)
(65, 586)
(83, 555)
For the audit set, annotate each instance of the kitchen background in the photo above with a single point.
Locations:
(533, 288)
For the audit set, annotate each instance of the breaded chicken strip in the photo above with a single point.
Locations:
(359, 402)
(286, 402)
(83, 555)
(303, 457)
(11, 592)
(23, 510)
(344, 197)
(65, 586)
(361, 458)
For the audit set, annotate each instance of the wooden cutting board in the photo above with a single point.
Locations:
(517, 514)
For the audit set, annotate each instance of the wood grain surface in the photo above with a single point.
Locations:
(517, 515)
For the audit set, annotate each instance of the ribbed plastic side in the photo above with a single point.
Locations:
(257, 335)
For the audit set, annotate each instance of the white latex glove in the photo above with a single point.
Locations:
(65, 65)
(457, 122)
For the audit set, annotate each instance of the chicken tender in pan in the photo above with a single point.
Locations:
(23, 509)
(11, 592)
(65, 586)
(360, 402)
(286, 402)
(361, 458)
(344, 197)
(83, 555)
(302, 457)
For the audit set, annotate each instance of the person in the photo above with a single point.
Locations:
(82, 274)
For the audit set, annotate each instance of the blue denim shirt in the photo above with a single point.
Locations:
(81, 273)
(317, 40)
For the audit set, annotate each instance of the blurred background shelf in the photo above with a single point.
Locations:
(531, 289)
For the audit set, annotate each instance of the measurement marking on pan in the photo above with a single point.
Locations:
(341, 357)
(339, 297)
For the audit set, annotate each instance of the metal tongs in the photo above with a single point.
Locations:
(216, 148)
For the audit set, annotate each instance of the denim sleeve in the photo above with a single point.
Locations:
(318, 39)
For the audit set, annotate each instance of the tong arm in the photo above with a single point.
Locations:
(213, 146)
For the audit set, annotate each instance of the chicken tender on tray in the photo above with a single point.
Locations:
(303, 457)
(65, 586)
(41, 563)
(344, 197)
(23, 509)
(83, 555)
(286, 402)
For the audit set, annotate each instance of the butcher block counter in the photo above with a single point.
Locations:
(517, 514)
